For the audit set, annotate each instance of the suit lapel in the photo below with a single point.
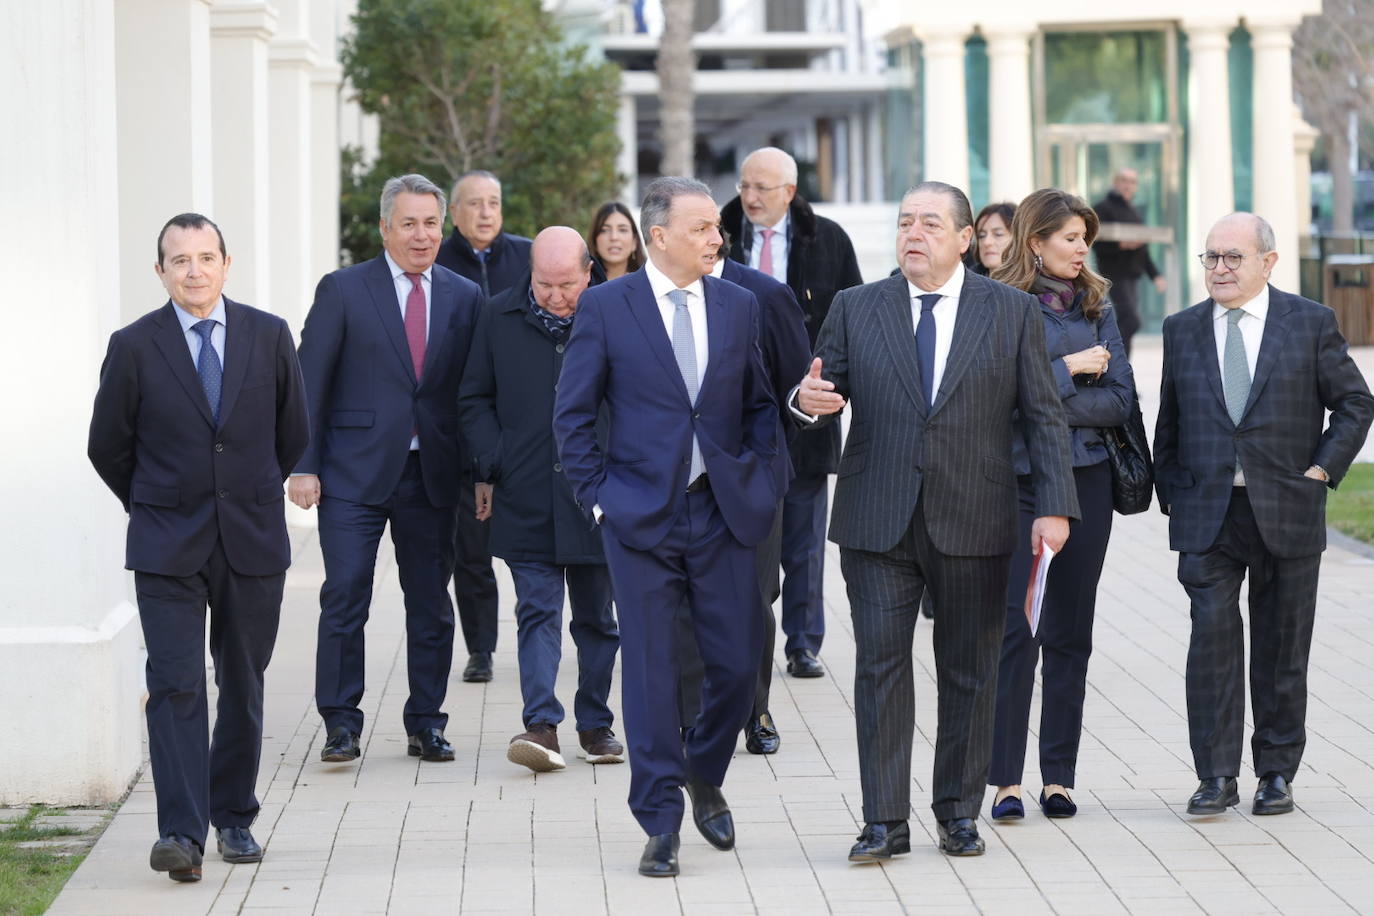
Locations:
(441, 307)
(237, 350)
(1206, 340)
(171, 341)
(717, 331)
(1271, 344)
(970, 326)
(640, 299)
(383, 290)
(894, 317)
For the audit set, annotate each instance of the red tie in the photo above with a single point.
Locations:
(766, 253)
(415, 324)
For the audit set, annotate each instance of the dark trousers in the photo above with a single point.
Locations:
(474, 581)
(803, 563)
(199, 779)
(1064, 642)
(539, 616)
(1126, 298)
(689, 657)
(699, 562)
(422, 534)
(884, 600)
(1283, 601)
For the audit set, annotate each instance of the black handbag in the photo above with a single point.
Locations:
(1128, 453)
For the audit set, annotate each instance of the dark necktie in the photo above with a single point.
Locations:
(415, 324)
(482, 259)
(925, 344)
(208, 366)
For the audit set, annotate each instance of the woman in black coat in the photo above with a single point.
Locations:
(1051, 234)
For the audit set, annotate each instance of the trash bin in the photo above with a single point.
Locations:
(1349, 291)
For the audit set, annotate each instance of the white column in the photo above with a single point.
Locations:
(70, 662)
(1011, 172)
(945, 132)
(1272, 42)
(854, 127)
(628, 163)
(162, 67)
(1211, 188)
(324, 140)
(290, 65)
(239, 33)
(1304, 141)
(876, 164)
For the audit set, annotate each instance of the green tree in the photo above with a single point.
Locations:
(471, 84)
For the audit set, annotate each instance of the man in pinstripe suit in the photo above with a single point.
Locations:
(1242, 466)
(926, 499)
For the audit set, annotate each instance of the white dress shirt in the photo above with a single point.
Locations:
(403, 286)
(779, 246)
(1251, 326)
(193, 339)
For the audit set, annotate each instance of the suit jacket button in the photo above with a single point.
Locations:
(221, 493)
(219, 446)
(686, 460)
(557, 466)
(696, 415)
(558, 349)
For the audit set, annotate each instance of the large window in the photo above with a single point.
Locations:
(1106, 77)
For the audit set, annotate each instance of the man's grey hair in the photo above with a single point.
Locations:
(413, 184)
(789, 165)
(958, 200)
(1264, 235)
(474, 173)
(658, 199)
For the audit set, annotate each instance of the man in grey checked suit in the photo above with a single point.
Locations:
(1242, 465)
(934, 362)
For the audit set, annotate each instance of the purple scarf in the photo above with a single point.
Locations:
(1056, 293)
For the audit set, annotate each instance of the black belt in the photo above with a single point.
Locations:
(703, 482)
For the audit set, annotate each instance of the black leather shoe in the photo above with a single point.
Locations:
(1214, 795)
(429, 744)
(660, 856)
(760, 736)
(478, 670)
(1274, 795)
(959, 837)
(236, 844)
(178, 857)
(802, 663)
(1057, 805)
(880, 841)
(711, 813)
(341, 746)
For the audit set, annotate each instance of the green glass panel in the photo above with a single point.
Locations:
(976, 96)
(1241, 68)
(1105, 77)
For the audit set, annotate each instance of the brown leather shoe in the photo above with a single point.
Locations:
(600, 746)
(537, 749)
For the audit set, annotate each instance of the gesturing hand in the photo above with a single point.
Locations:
(816, 396)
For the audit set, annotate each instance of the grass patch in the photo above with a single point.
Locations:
(1350, 508)
(30, 877)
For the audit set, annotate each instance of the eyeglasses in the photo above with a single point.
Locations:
(1231, 259)
(745, 186)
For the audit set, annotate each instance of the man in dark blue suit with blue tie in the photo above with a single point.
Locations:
(382, 351)
(684, 490)
(199, 417)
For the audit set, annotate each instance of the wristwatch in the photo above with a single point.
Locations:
(1326, 478)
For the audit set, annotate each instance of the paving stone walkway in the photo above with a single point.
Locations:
(481, 835)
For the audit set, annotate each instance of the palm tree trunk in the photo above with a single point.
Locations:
(676, 66)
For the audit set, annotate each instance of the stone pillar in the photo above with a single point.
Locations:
(1272, 42)
(70, 658)
(945, 132)
(876, 167)
(324, 140)
(1011, 168)
(1211, 188)
(162, 67)
(290, 66)
(628, 163)
(1304, 141)
(239, 34)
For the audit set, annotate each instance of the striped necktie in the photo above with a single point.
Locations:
(1235, 370)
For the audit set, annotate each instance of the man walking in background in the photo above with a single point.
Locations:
(1125, 262)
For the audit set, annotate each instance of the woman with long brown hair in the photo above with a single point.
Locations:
(1051, 234)
(614, 240)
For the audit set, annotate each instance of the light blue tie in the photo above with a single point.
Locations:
(685, 352)
(1235, 370)
(208, 366)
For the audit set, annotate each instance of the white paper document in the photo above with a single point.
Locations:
(1035, 587)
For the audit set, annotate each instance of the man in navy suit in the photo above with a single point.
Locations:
(199, 417)
(684, 489)
(1242, 466)
(382, 352)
